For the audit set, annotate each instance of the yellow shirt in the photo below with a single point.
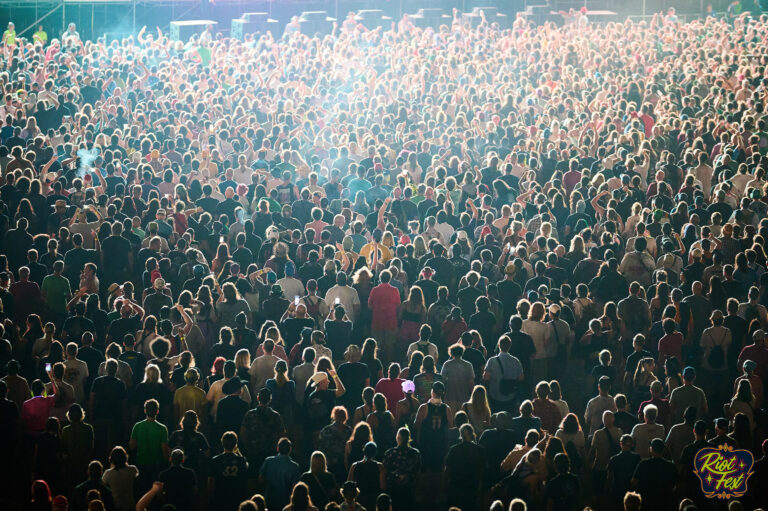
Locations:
(189, 398)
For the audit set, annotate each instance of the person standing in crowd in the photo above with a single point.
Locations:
(149, 442)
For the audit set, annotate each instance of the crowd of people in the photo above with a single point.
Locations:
(392, 269)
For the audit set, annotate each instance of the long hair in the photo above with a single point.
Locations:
(318, 463)
(478, 401)
(152, 374)
(300, 499)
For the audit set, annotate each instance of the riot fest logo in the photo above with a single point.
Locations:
(723, 471)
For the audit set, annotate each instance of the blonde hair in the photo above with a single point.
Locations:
(152, 374)
(318, 463)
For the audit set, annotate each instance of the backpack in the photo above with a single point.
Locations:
(716, 357)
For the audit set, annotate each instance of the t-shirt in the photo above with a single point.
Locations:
(319, 405)
(656, 479)
(229, 472)
(353, 375)
(35, 413)
(76, 373)
(643, 434)
(392, 389)
(684, 396)
(671, 345)
(120, 481)
(109, 395)
(150, 436)
(56, 289)
(502, 366)
(118, 249)
(459, 379)
(383, 302)
(178, 484)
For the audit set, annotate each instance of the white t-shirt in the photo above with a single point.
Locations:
(75, 373)
(348, 298)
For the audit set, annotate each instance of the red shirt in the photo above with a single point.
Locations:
(383, 302)
(671, 345)
(392, 390)
(35, 413)
(757, 354)
(665, 410)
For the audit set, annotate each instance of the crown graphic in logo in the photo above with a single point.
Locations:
(723, 471)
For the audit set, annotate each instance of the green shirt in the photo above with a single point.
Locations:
(9, 37)
(56, 289)
(41, 36)
(205, 55)
(150, 437)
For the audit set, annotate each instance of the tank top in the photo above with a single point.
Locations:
(433, 436)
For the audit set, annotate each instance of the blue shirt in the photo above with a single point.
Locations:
(280, 474)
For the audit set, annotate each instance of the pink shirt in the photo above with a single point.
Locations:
(383, 302)
(35, 412)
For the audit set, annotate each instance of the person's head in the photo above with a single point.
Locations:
(403, 437)
(650, 413)
(300, 498)
(632, 501)
(151, 408)
(284, 446)
(608, 418)
(317, 463)
(229, 441)
(95, 469)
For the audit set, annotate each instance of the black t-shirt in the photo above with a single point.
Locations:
(293, 328)
(193, 443)
(9, 415)
(353, 375)
(178, 484)
(475, 357)
(121, 327)
(522, 349)
(497, 443)
(75, 326)
(623, 466)
(136, 360)
(229, 472)
(230, 413)
(75, 260)
(319, 405)
(338, 336)
(109, 395)
(444, 270)
(655, 480)
(115, 250)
